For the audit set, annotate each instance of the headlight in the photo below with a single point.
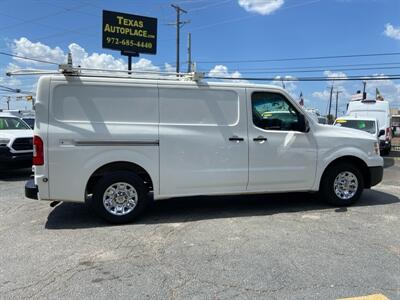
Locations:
(4, 142)
(376, 148)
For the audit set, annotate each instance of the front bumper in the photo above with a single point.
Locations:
(376, 175)
(383, 145)
(6, 156)
(31, 189)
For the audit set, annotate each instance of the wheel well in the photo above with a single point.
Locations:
(359, 163)
(119, 166)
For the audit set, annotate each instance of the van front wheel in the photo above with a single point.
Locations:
(342, 185)
(119, 197)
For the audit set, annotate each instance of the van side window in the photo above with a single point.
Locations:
(272, 111)
(205, 107)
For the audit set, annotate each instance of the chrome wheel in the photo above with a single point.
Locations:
(345, 185)
(120, 198)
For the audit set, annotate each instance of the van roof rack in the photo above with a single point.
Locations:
(69, 70)
(134, 74)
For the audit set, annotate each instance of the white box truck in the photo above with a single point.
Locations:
(380, 110)
(111, 141)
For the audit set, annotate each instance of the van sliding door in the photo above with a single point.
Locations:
(203, 141)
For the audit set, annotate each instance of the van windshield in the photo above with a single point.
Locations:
(10, 123)
(364, 125)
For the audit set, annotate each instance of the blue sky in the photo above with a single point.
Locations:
(221, 30)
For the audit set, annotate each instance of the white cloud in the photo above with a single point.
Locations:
(325, 94)
(263, 7)
(95, 60)
(169, 68)
(286, 82)
(338, 85)
(80, 57)
(387, 88)
(290, 85)
(331, 74)
(392, 32)
(222, 71)
(10, 82)
(106, 61)
(321, 95)
(24, 47)
(335, 75)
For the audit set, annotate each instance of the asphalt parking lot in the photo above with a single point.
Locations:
(265, 246)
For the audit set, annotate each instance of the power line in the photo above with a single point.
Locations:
(249, 17)
(29, 58)
(52, 27)
(54, 63)
(76, 10)
(316, 70)
(319, 66)
(323, 78)
(44, 16)
(61, 34)
(297, 58)
(7, 89)
(210, 5)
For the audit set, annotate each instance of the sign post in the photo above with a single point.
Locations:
(130, 55)
(131, 34)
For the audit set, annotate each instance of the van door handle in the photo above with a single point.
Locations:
(236, 138)
(260, 139)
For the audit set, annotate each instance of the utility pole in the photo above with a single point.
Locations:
(8, 102)
(337, 101)
(189, 52)
(178, 24)
(330, 102)
(364, 93)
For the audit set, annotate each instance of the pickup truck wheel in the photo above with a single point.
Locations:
(119, 197)
(386, 151)
(342, 185)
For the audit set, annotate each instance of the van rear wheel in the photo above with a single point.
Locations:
(119, 197)
(342, 185)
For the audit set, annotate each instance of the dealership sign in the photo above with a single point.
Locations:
(129, 33)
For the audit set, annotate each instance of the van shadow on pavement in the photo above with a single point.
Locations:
(75, 216)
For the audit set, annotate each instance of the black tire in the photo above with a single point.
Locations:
(386, 150)
(112, 178)
(327, 190)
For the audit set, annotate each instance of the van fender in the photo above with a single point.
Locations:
(145, 157)
(326, 158)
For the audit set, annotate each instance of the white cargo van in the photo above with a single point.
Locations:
(111, 141)
(379, 110)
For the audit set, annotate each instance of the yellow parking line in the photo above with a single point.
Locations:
(369, 297)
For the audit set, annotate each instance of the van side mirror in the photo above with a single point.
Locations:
(303, 124)
(381, 132)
